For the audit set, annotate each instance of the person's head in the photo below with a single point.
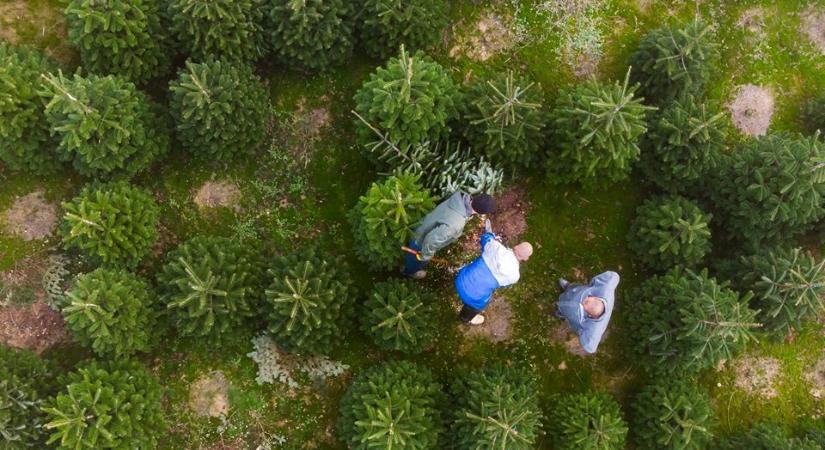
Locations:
(523, 251)
(483, 204)
(593, 306)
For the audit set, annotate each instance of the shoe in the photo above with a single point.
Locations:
(563, 283)
(477, 320)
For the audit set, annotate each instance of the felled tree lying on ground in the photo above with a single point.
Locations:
(399, 316)
(675, 60)
(596, 131)
(309, 302)
(673, 415)
(505, 119)
(686, 321)
(129, 38)
(26, 381)
(766, 436)
(591, 420)
(390, 406)
(315, 34)
(211, 285)
(387, 24)
(105, 125)
(25, 140)
(670, 231)
(383, 218)
(229, 30)
(496, 407)
(113, 404)
(220, 109)
(114, 224)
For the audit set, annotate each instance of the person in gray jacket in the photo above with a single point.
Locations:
(443, 226)
(587, 308)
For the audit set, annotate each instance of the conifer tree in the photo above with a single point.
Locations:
(587, 421)
(314, 34)
(105, 126)
(766, 436)
(211, 285)
(309, 302)
(673, 415)
(399, 316)
(220, 109)
(504, 118)
(26, 380)
(596, 131)
(129, 38)
(670, 231)
(25, 141)
(227, 30)
(392, 406)
(111, 310)
(387, 24)
(383, 219)
(114, 224)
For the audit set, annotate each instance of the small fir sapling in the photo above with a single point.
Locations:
(675, 415)
(313, 34)
(26, 381)
(387, 24)
(399, 316)
(589, 421)
(227, 30)
(670, 231)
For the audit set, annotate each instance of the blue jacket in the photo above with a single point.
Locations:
(496, 267)
(590, 331)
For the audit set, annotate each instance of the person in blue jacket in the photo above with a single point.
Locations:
(587, 308)
(498, 266)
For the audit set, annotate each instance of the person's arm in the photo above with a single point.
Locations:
(604, 285)
(436, 239)
(485, 239)
(589, 338)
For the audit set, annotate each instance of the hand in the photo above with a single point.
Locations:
(488, 226)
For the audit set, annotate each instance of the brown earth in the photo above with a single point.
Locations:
(510, 222)
(496, 326)
(213, 194)
(35, 327)
(209, 396)
(31, 217)
(561, 334)
(757, 376)
(752, 109)
(489, 36)
(23, 282)
(813, 27)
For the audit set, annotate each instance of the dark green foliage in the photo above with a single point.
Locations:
(220, 109)
(121, 37)
(675, 60)
(111, 310)
(114, 223)
(670, 231)
(395, 405)
(315, 34)
(683, 145)
(771, 188)
(813, 114)
(228, 30)
(399, 315)
(409, 101)
(684, 322)
(383, 219)
(105, 125)
(211, 285)
(504, 118)
(766, 436)
(111, 405)
(387, 24)
(596, 132)
(25, 381)
(496, 407)
(673, 415)
(587, 421)
(25, 142)
(309, 302)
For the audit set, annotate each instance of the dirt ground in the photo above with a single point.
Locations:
(496, 326)
(561, 334)
(813, 27)
(46, 20)
(816, 377)
(31, 217)
(209, 396)
(213, 194)
(510, 222)
(757, 376)
(752, 109)
(35, 327)
(489, 36)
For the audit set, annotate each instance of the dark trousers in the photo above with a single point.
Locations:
(411, 263)
(467, 313)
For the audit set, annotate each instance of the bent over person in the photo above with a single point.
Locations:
(498, 266)
(587, 308)
(443, 226)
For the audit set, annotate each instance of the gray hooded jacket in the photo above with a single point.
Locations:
(443, 225)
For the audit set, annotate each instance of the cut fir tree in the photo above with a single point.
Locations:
(399, 316)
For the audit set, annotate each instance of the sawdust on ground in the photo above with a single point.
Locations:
(489, 36)
(31, 217)
(209, 396)
(752, 109)
(816, 377)
(813, 27)
(757, 376)
(213, 194)
(35, 327)
(496, 326)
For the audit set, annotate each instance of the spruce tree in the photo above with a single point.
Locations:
(25, 141)
(383, 219)
(313, 34)
(227, 30)
(587, 421)
(26, 380)
(114, 224)
(309, 301)
(109, 405)
(670, 231)
(392, 406)
(105, 126)
(673, 415)
(771, 188)
(505, 119)
(211, 285)
(683, 145)
(399, 316)
(675, 60)
(111, 310)
(766, 436)
(596, 132)
(387, 24)
(220, 109)
(129, 38)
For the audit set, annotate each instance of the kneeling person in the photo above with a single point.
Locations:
(587, 308)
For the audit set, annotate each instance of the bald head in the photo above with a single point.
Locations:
(523, 251)
(593, 306)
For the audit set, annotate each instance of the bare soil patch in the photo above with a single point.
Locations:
(813, 27)
(39, 24)
(752, 109)
(11, 12)
(489, 36)
(31, 217)
(816, 376)
(757, 376)
(510, 222)
(496, 326)
(23, 282)
(35, 327)
(209, 396)
(561, 334)
(213, 194)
